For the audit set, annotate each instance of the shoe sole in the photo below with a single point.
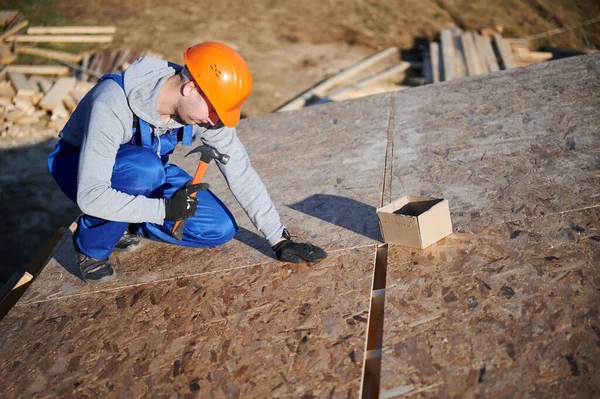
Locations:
(128, 249)
(101, 280)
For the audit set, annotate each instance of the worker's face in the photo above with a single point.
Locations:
(195, 107)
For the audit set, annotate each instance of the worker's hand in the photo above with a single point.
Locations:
(290, 251)
(182, 205)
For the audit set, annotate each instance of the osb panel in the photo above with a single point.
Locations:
(323, 169)
(269, 330)
(511, 311)
(504, 146)
(320, 165)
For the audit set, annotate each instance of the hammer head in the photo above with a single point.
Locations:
(208, 153)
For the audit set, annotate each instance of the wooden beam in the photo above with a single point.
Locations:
(7, 16)
(459, 57)
(360, 85)
(344, 76)
(434, 53)
(6, 56)
(50, 54)
(484, 45)
(71, 30)
(60, 38)
(54, 97)
(11, 31)
(40, 69)
(448, 55)
(474, 67)
(504, 52)
(21, 84)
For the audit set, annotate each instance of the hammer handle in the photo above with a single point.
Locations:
(198, 176)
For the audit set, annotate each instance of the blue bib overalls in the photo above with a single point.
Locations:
(139, 170)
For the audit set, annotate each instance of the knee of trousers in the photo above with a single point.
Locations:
(138, 171)
(221, 230)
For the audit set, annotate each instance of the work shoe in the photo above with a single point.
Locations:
(93, 270)
(129, 241)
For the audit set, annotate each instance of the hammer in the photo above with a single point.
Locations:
(207, 153)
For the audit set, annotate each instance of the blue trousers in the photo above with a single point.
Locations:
(139, 171)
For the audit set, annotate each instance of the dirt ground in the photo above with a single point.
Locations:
(289, 46)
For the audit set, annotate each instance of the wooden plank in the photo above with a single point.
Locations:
(123, 57)
(24, 104)
(504, 52)
(70, 103)
(484, 46)
(7, 16)
(340, 78)
(11, 31)
(60, 38)
(55, 96)
(50, 54)
(534, 56)
(85, 62)
(7, 89)
(71, 30)
(434, 53)
(6, 56)
(448, 55)
(460, 66)
(40, 69)
(21, 84)
(368, 81)
(471, 55)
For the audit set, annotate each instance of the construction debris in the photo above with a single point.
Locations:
(459, 54)
(47, 94)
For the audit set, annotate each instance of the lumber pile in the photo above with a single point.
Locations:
(356, 81)
(48, 93)
(458, 54)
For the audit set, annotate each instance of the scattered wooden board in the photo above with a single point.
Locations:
(53, 99)
(7, 16)
(71, 30)
(11, 31)
(50, 54)
(41, 69)
(434, 53)
(340, 78)
(6, 56)
(448, 55)
(60, 38)
(504, 52)
(460, 68)
(21, 84)
(484, 46)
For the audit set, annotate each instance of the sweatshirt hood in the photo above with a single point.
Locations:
(143, 81)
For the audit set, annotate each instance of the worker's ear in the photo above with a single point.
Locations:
(187, 88)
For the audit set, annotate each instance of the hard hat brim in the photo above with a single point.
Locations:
(230, 118)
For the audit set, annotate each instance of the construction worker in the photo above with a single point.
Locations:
(112, 160)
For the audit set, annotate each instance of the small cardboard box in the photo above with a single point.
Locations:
(415, 222)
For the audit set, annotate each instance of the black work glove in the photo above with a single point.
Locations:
(290, 251)
(182, 205)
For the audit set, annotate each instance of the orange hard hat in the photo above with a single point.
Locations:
(223, 77)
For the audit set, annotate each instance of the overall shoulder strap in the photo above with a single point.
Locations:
(140, 126)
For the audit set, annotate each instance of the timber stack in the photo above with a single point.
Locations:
(46, 90)
(458, 54)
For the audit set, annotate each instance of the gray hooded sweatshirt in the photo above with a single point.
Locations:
(103, 122)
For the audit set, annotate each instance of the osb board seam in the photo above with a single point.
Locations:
(386, 190)
(129, 286)
(371, 372)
